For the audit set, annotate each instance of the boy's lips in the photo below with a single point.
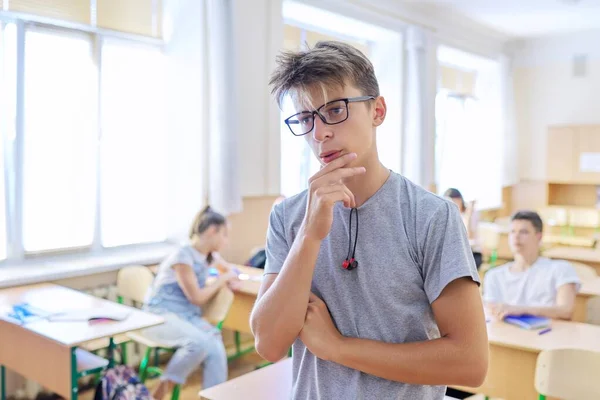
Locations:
(329, 156)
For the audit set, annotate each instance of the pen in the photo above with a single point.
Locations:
(544, 331)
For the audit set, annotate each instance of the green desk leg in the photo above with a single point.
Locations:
(74, 374)
(3, 378)
(238, 348)
(111, 352)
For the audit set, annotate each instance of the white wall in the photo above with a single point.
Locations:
(185, 68)
(258, 35)
(547, 93)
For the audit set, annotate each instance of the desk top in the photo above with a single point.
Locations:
(582, 254)
(251, 279)
(564, 334)
(59, 299)
(590, 287)
(269, 383)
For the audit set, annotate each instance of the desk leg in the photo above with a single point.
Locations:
(111, 352)
(74, 374)
(3, 378)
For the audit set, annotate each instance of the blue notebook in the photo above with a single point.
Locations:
(528, 321)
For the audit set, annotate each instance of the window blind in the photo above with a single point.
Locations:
(141, 17)
(66, 10)
(457, 81)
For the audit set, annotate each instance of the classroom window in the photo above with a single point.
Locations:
(469, 127)
(133, 160)
(59, 141)
(7, 117)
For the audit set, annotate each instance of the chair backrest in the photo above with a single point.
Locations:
(216, 310)
(584, 272)
(133, 282)
(584, 217)
(568, 374)
(554, 216)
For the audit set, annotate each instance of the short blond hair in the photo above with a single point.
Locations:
(327, 64)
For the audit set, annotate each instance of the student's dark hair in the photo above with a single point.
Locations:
(328, 63)
(456, 194)
(531, 216)
(204, 220)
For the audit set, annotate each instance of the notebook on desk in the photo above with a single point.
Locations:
(528, 321)
(90, 315)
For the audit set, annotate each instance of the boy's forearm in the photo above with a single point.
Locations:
(441, 361)
(279, 314)
(556, 312)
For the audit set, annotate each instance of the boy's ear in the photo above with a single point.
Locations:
(379, 111)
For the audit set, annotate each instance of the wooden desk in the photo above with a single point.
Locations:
(590, 289)
(273, 382)
(589, 256)
(238, 318)
(46, 351)
(514, 351)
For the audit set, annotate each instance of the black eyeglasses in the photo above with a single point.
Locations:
(331, 113)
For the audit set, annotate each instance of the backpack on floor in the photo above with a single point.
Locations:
(121, 383)
(258, 259)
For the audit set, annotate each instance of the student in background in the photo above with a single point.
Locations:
(470, 219)
(531, 284)
(179, 290)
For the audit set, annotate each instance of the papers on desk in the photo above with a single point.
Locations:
(247, 277)
(528, 321)
(23, 313)
(90, 315)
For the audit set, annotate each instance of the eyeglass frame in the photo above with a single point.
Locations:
(322, 118)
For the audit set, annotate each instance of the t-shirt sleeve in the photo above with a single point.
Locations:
(182, 256)
(166, 273)
(565, 274)
(277, 247)
(447, 254)
(491, 288)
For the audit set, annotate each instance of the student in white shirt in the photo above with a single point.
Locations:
(531, 284)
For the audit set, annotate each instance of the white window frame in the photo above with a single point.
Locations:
(16, 255)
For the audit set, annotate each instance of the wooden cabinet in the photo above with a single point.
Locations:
(573, 155)
(587, 150)
(560, 154)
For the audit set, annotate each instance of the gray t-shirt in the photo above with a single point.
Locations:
(411, 244)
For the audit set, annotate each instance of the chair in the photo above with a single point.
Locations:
(584, 218)
(568, 374)
(555, 217)
(133, 283)
(215, 312)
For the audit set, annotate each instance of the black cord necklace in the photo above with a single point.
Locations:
(350, 263)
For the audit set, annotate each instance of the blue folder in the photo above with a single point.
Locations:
(528, 321)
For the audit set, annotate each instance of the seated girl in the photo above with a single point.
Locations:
(178, 293)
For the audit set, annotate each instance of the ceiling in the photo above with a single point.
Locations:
(521, 18)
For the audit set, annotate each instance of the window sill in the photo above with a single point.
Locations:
(73, 265)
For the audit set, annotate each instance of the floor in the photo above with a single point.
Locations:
(190, 390)
(238, 367)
